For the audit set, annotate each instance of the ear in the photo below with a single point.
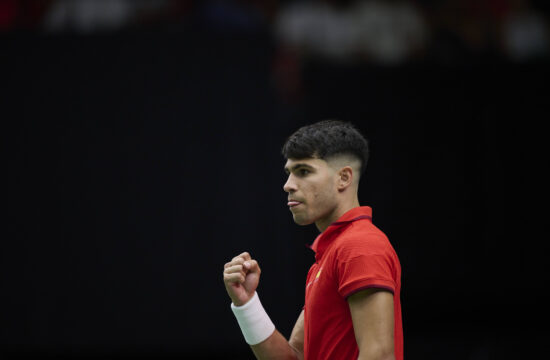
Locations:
(345, 178)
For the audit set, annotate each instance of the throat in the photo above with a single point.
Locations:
(323, 223)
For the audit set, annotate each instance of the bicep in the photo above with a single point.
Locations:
(372, 313)
(296, 341)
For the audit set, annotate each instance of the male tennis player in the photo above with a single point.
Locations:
(352, 297)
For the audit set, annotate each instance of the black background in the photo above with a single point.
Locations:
(139, 163)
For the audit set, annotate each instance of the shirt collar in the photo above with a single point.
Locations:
(324, 239)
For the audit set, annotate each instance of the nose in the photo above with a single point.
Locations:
(290, 185)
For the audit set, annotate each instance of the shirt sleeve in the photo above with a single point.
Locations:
(360, 267)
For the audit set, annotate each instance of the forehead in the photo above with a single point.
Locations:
(309, 162)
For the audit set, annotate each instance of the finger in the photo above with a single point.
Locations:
(232, 263)
(235, 269)
(235, 261)
(245, 255)
(233, 278)
(238, 257)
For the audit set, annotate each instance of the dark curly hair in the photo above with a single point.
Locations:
(326, 139)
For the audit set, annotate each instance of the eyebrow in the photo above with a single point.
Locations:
(297, 166)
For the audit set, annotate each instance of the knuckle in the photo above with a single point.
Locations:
(232, 278)
(232, 270)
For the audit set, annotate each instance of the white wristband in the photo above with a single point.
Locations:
(253, 320)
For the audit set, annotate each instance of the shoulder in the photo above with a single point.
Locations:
(362, 237)
(363, 257)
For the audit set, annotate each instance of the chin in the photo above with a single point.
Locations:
(301, 221)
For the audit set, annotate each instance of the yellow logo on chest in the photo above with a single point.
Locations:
(316, 278)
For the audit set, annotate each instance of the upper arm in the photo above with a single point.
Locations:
(372, 313)
(296, 341)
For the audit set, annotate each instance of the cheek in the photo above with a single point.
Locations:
(323, 194)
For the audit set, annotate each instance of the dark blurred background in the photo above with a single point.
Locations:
(142, 143)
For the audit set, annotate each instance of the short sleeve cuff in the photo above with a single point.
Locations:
(351, 288)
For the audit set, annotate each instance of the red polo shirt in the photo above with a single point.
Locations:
(351, 255)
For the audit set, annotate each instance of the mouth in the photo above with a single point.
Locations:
(293, 203)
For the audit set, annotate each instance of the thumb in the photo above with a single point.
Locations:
(251, 266)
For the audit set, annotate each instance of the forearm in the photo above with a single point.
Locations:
(241, 276)
(275, 347)
(260, 333)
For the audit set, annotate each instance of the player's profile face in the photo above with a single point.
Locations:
(312, 189)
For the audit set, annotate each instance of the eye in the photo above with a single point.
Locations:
(303, 172)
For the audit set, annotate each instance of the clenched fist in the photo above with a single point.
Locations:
(241, 277)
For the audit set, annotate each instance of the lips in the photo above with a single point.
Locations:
(292, 203)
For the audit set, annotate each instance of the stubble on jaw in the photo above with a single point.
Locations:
(304, 217)
(317, 193)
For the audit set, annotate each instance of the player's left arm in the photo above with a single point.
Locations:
(372, 313)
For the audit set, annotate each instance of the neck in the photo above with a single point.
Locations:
(341, 209)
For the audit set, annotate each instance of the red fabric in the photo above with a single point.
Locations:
(351, 255)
